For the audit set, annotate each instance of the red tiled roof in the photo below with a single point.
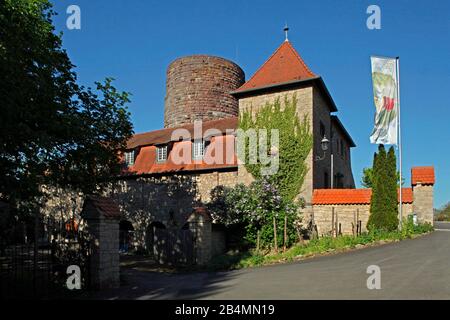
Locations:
(165, 135)
(145, 162)
(106, 206)
(285, 65)
(351, 196)
(423, 175)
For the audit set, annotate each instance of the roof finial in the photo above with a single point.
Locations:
(286, 29)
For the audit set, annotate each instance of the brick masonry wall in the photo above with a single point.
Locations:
(198, 87)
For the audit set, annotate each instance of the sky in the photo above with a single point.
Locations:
(135, 40)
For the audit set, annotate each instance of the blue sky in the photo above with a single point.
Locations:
(134, 41)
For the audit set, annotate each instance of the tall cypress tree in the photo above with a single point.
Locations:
(391, 191)
(379, 199)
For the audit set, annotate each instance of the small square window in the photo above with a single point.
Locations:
(198, 150)
(161, 153)
(129, 158)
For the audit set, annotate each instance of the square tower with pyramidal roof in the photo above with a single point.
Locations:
(285, 74)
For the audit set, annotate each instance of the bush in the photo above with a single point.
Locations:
(255, 207)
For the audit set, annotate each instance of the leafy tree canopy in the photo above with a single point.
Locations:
(53, 132)
(367, 178)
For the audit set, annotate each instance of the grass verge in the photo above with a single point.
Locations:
(323, 245)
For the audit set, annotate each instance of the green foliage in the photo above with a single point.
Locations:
(444, 213)
(53, 132)
(384, 203)
(295, 143)
(366, 180)
(318, 246)
(254, 207)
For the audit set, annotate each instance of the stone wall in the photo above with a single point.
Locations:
(347, 216)
(103, 228)
(218, 241)
(166, 199)
(423, 202)
(304, 96)
(200, 225)
(342, 161)
(321, 114)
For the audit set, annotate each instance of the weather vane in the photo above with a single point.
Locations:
(286, 29)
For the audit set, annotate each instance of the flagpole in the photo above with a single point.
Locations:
(399, 142)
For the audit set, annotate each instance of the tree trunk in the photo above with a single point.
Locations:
(275, 234)
(285, 234)
(258, 239)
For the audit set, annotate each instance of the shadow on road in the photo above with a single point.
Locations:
(143, 280)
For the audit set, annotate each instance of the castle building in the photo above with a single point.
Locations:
(169, 173)
(213, 90)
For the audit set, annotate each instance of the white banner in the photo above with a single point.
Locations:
(384, 79)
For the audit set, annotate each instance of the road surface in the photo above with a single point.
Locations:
(410, 269)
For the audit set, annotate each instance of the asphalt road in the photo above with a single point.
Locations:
(410, 269)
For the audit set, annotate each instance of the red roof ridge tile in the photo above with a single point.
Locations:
(423, 175)
(287, 44)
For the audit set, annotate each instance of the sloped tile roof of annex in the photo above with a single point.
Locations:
(163, 136)
(351, 196)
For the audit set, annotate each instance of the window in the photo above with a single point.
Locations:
(161, 153)
(322, 130)
(129, 157)
(339, 180)
(325, 180)
(342, 148)
(198, 149)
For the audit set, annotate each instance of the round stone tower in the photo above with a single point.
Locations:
(198, 87)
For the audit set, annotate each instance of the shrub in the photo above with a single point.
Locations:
(255, 207)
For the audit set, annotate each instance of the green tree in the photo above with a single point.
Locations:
(366, 179)
(53, 132)
(391, 191)
(444, 213)
(383, 204)
(254, 207)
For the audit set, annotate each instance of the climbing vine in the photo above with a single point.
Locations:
(295, 143)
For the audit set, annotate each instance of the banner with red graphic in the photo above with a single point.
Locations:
(384, 79)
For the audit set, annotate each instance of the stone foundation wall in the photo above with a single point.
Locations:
(347, 216)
